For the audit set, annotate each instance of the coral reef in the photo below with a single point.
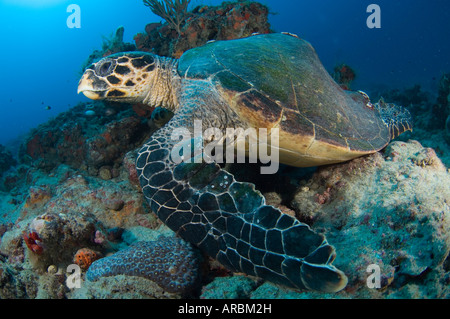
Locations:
(231, 20)
(17, 283)
(237, 287)
(6, 160)
(121, 287)
(390, 211)
(86, 142)
(74, 213)
(73, 218)
(48, 234)
(168, 261)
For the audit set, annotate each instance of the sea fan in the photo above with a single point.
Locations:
(173, 11)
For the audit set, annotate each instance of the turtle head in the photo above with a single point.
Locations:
(131, 77)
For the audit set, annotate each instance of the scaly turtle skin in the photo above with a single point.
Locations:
(264, 81)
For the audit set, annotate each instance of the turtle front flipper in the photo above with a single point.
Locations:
(229, 220)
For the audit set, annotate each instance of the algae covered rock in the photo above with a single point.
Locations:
(230, 20)
(84, 140)
(391, 212)
(236, 287)
(121, 287)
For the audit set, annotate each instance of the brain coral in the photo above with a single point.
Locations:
(169, 261)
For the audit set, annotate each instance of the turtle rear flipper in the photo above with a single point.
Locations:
(229, 220)
(396, 118)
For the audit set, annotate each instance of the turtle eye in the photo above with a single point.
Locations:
(105, 67)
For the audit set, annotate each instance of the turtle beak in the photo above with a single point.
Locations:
(86, 86)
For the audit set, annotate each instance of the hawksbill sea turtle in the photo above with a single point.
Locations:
(263, 81)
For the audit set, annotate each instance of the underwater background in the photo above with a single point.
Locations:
(69, 190)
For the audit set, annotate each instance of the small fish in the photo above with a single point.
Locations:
(48, 107)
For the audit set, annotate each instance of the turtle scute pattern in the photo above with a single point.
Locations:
(229, 220)
(169, 261)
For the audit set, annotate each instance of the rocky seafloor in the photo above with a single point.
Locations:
(72, 197)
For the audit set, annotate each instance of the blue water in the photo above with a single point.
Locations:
(41, 57)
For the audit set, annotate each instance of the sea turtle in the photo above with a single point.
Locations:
(263, 81)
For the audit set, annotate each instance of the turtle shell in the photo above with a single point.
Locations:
(278, 81)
